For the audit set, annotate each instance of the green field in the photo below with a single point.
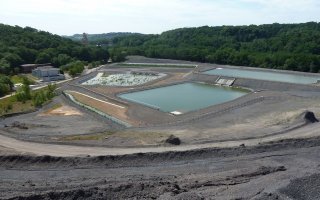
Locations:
(19, 78)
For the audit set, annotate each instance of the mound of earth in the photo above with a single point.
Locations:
(310, 117)
(173, 140)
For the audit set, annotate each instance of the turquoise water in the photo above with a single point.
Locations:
(184, 97)
(269, 76)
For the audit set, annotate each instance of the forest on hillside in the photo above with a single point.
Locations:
(96, 38)
(278, 46)
(28, 45)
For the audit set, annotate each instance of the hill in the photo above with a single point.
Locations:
(99, 37)
(28, 45)
(280, 46)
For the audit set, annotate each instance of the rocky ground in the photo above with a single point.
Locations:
(286, 169)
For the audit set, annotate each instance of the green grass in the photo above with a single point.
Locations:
(19, 78)
(155, 65)
(10, 105)
(31, 77)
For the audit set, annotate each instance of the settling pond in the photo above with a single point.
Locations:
(264, 75)
(184, 97)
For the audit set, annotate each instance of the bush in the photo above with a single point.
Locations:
(73, 68)
(94, 64)
(23, 94)
(51, 91)
(39, 98)
(4, 89)
(6, 85)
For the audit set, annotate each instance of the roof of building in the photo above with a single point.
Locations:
(35, 65)
(47, 68)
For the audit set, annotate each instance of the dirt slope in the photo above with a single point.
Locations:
(271, 171)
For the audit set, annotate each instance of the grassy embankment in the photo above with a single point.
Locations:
(11, 105)
(19, 78)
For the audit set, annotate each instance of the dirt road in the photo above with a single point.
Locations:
(70, 150)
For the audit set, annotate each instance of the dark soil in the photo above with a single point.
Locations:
(310, 117)
(271, 171)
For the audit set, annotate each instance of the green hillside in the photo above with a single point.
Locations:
(280, 46)
(27, 45)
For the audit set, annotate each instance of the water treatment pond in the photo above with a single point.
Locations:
(184, 97)
(264, 75)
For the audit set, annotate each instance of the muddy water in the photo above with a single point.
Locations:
(184, 97)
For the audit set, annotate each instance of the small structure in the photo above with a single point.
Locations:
(27, 68)
(225, 81)
(48, 73)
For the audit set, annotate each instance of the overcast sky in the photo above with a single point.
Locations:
(66, 17)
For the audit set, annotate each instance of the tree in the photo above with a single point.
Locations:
(6, 85)
(5, 66)
(28, 45)
(24, 93)
(4, 89)
(43, 58)
(118, 55)
(73, 68)
(38, 98)
(61, 59)
(51, 91)
(13, 59)
(279, 46)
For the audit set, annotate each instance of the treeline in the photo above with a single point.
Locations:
(27, 45)
(280, 46)
(95, 38)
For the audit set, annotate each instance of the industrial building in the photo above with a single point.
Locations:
(48, 73)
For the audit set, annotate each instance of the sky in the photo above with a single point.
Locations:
(67, 17)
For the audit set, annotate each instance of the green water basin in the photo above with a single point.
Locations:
(264, 75)
(184, 97)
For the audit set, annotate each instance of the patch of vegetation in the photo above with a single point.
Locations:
(73, 68)
(99, 136)
(6, 85)
(20, 78)
(26, 100)
(10, 105)
(94, 64)
(141, 136)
